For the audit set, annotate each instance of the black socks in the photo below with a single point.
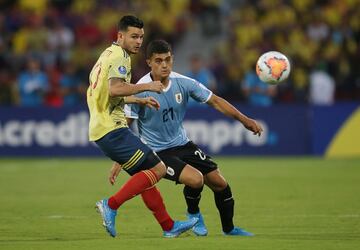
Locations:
(192, 197)
(223, 200)
(225, 204)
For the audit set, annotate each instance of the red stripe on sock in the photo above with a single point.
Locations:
(153, 200)
(134, 186)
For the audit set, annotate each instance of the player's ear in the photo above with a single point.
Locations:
(120, 35)
(148, 61)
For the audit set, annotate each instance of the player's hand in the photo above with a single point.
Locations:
(150, 102)
(114, 172)
(253, 126)
(156, 86)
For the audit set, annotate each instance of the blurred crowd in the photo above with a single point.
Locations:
(321, 39)
(47, 47)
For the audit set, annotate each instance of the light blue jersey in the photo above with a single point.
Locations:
(162, 129)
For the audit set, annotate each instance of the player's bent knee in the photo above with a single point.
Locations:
(221, 186)
(160, 170)
(215, 181)
(198, 182)
(153, 162)
(191, 177)
(192, 182)
(217, 187)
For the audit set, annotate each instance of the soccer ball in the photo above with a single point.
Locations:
(273, 67)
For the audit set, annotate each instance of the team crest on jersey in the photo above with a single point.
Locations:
(122, 70)
(178, 97)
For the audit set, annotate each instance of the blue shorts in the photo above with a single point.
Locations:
(122, 146)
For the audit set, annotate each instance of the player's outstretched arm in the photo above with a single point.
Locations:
(118, 87)
(150, 101)
(229, 110)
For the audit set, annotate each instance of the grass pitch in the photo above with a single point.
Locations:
(289, 203)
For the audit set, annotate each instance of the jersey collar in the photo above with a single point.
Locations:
(115, 44)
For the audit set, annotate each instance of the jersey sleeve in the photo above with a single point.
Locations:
(198, 91)
(132, 111)
(119, 68)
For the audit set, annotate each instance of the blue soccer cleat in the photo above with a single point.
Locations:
(108, 215)
(180, 227)
(237, 231)
(199, 229)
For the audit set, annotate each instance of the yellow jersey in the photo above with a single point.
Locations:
(106, 112)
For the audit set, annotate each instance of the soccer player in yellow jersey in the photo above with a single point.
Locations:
(109, 91)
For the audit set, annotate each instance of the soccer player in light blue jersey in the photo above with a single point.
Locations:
(163, 131)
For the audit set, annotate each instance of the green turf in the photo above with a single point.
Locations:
(289, 203)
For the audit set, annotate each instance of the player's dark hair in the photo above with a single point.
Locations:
(158, 47)
(130, 21)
